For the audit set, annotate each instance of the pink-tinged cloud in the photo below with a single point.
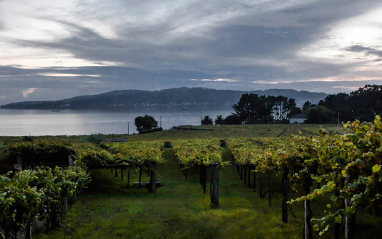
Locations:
(215, 80)
(347, 87)
(28, 92)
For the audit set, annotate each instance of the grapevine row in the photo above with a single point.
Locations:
(37, 194)
(346, 166)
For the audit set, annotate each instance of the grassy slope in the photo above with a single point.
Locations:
(178, 210)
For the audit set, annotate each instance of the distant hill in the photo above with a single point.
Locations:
(183, 97)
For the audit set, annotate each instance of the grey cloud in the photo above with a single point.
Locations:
(364, 49)
(330, 87)
(148, 47)
(153, 53)
(259, 42)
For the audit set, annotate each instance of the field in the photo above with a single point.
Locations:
(179, 209)
(211, 131)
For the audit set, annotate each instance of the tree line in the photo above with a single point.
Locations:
(255, 109)
(363, 104)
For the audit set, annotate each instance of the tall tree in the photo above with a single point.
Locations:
(318, 115)
(206, 120)
(283, 107)
(362, 104)
(254, 108)
(264, 109)
(306, 105)
(219, 120)
(145, 123)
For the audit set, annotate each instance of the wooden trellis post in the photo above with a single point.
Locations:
(245, 174)
(19, 162)
(140, 177)
(270, 190)
(249, 176)
(284, 199)
(153, 179)
(128, 177)
(214, 192)
(203, 177)
(70, 160)
(260, 185)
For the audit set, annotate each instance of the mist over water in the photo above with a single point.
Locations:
(84, 122)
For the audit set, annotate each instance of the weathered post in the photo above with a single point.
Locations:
(350, 219)
(284, 199)
(33, 162)
(153, 179)
(73, 198)
(28, 232)
(260, 185)
(245, 174)
(19, 162)
(140, 177)
(307, 211)
(249, 176)
(214, 192)
(65, 205)
(128, 177)
(70, 160)
(270, 190)
(203, 177)
(337, 226)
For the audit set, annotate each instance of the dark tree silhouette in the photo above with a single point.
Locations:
(362, 104)
(252, 108)
(207, 120)
(232, 119)
(306, 105)
(318, 115)
(146, 122)
(219, 120)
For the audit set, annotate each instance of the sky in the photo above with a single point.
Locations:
(53, 50)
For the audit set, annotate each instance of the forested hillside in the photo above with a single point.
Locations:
(183, 97)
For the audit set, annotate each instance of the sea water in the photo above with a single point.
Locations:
(84, 122)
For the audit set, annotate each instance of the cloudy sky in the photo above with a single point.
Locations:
(58, 49)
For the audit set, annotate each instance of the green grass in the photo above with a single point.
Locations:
(212, 131)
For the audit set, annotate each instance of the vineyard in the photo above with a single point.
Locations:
(301, 186)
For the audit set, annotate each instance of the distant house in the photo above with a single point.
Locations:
(298, 119)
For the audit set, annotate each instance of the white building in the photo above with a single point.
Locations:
(298, 119)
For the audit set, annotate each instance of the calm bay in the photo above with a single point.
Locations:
(85, 122)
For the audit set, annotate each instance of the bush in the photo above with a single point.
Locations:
(167, 145)
(232, 119)
(95, 138)
(146, 131)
